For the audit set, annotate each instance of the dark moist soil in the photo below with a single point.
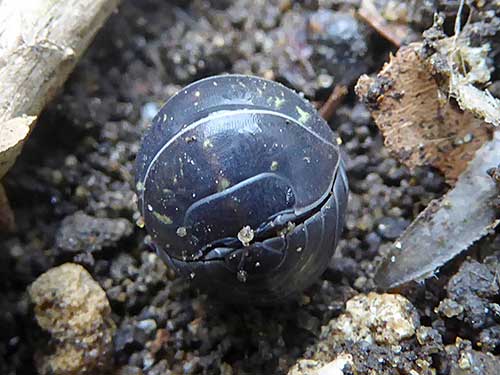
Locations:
(71, 191)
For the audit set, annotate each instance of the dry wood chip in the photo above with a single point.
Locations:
(419, 124)
(12, 136)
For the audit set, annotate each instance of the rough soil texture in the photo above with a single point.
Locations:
(78, 165)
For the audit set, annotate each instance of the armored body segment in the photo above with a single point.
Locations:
(234, 172)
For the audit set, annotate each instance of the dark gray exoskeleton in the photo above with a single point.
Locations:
(242, 188)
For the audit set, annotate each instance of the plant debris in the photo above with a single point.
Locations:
(13, 133)
(464, 68)
(392, 24)
(465, 214)
(7, 220)
(328, 109)
(419, 125)
(40, 43)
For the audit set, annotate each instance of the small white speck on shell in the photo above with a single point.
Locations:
(181, 232)
(246, 235)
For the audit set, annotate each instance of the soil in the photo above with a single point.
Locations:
(72, 194)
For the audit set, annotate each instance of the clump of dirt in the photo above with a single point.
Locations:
(74, 309)
(80, 233)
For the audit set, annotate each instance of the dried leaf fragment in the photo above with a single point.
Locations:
(448, 227)
(420, 126)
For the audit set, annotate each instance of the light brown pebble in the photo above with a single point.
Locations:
(73, 308)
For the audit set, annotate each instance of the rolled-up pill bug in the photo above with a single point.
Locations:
(242, 188)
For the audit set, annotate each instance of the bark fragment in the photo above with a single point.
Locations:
(13, 133)
(420, 125)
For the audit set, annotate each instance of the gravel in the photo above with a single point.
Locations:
(73, 308)
(83, 233)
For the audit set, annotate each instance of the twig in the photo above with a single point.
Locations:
(40, 43)
(328, 109)
(393, 33)
(458, 19)
(7, 223)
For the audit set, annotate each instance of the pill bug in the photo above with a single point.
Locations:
(242, 188)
